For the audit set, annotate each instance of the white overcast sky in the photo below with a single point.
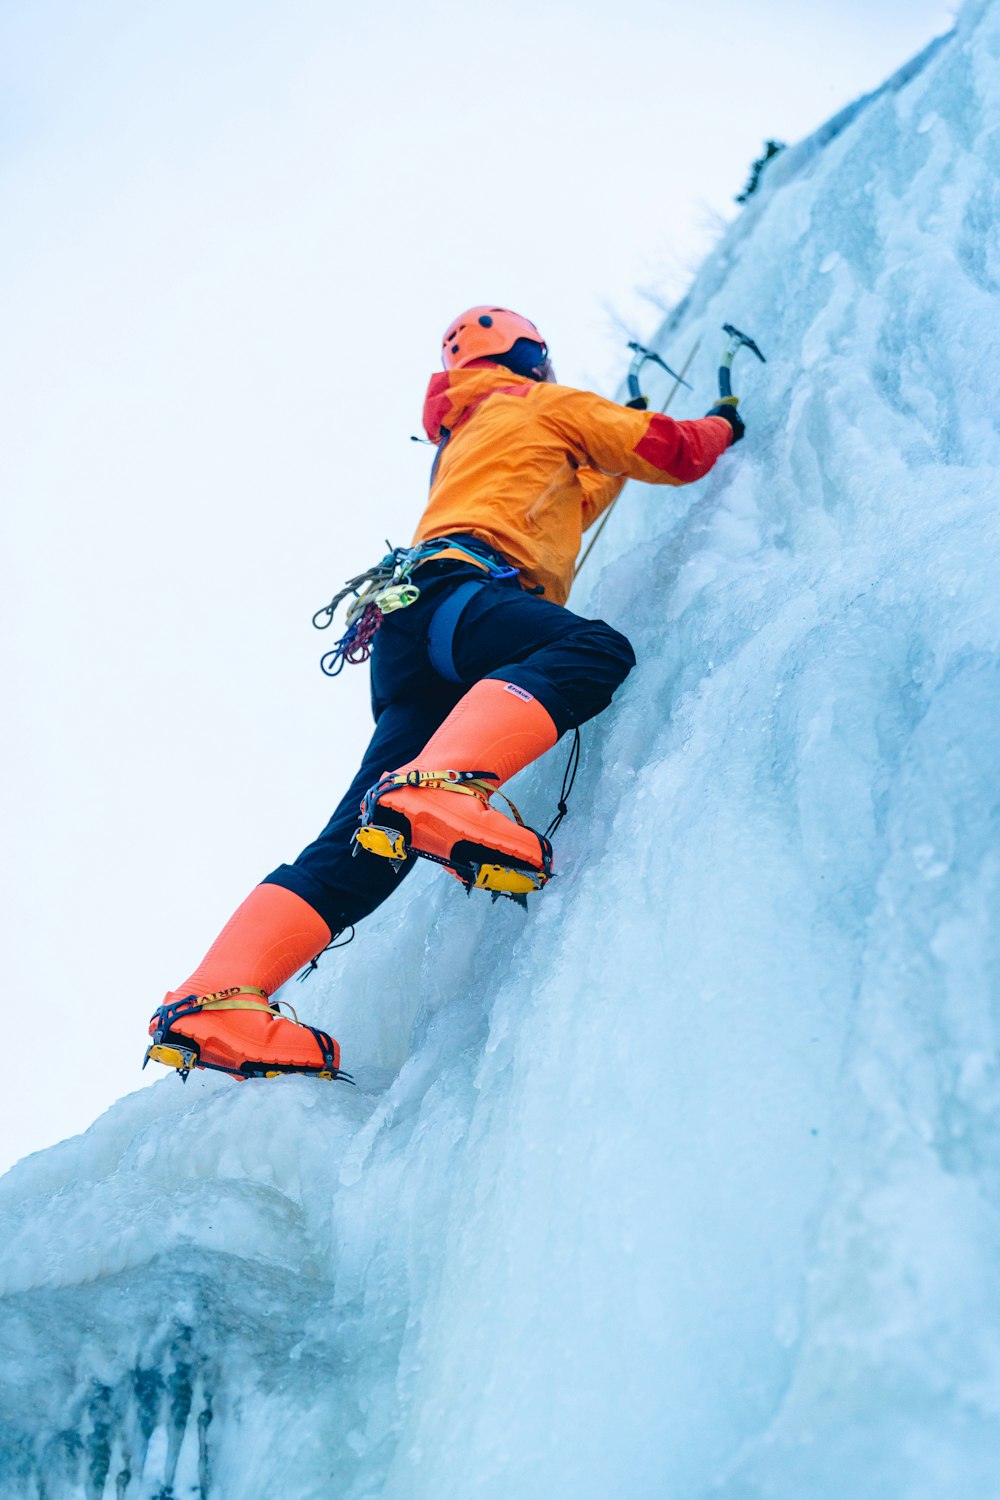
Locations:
(232, 237)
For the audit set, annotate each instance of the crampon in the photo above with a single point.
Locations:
(240, 1031)
(404, 815)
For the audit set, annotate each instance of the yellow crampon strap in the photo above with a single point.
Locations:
(454, 781)
(229, 1000)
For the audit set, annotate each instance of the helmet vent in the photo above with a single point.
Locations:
(485, 321)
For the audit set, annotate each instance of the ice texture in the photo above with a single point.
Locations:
(687, 1183)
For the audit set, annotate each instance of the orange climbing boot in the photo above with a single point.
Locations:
(223, 1017)
(438, 806)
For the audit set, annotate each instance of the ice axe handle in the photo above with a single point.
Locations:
(737, 341)
(640, 354)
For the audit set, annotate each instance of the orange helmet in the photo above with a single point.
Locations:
(483, 333)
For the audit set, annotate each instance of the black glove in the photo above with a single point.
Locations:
(727, 410)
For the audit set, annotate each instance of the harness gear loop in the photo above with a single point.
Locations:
(384, 588)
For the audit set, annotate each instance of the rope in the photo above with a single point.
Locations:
(355, 645)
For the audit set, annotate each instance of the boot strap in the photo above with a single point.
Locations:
(472, 783)
(234, 998)
(227, 1000)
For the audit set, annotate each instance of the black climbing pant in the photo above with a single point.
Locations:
(422, 663)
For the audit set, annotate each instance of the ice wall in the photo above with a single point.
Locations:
(684, 1185)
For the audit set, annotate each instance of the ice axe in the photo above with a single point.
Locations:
(640, 356)
(737, 341)
(639, 402)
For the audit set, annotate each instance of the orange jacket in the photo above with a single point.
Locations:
(527, 466)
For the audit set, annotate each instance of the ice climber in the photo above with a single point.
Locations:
(476, 678)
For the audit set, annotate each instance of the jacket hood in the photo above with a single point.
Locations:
(454, 395)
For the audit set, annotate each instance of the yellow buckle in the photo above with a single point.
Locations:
(514, 882)
(388, 842)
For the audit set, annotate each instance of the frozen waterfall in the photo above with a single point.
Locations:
(687, 1184)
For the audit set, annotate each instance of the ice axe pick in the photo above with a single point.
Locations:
(737, 341)
(640, 355)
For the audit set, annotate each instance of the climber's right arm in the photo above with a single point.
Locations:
(643, 445)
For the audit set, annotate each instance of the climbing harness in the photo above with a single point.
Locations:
(444, 623)
(379, 591)
(180, 1052)
(390, 843)
(387, 587)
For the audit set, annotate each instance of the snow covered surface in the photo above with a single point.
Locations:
(686, 1184)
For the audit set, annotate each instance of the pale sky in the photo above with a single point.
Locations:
(233, 235)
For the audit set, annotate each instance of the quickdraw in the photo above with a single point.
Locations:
(383, 589)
